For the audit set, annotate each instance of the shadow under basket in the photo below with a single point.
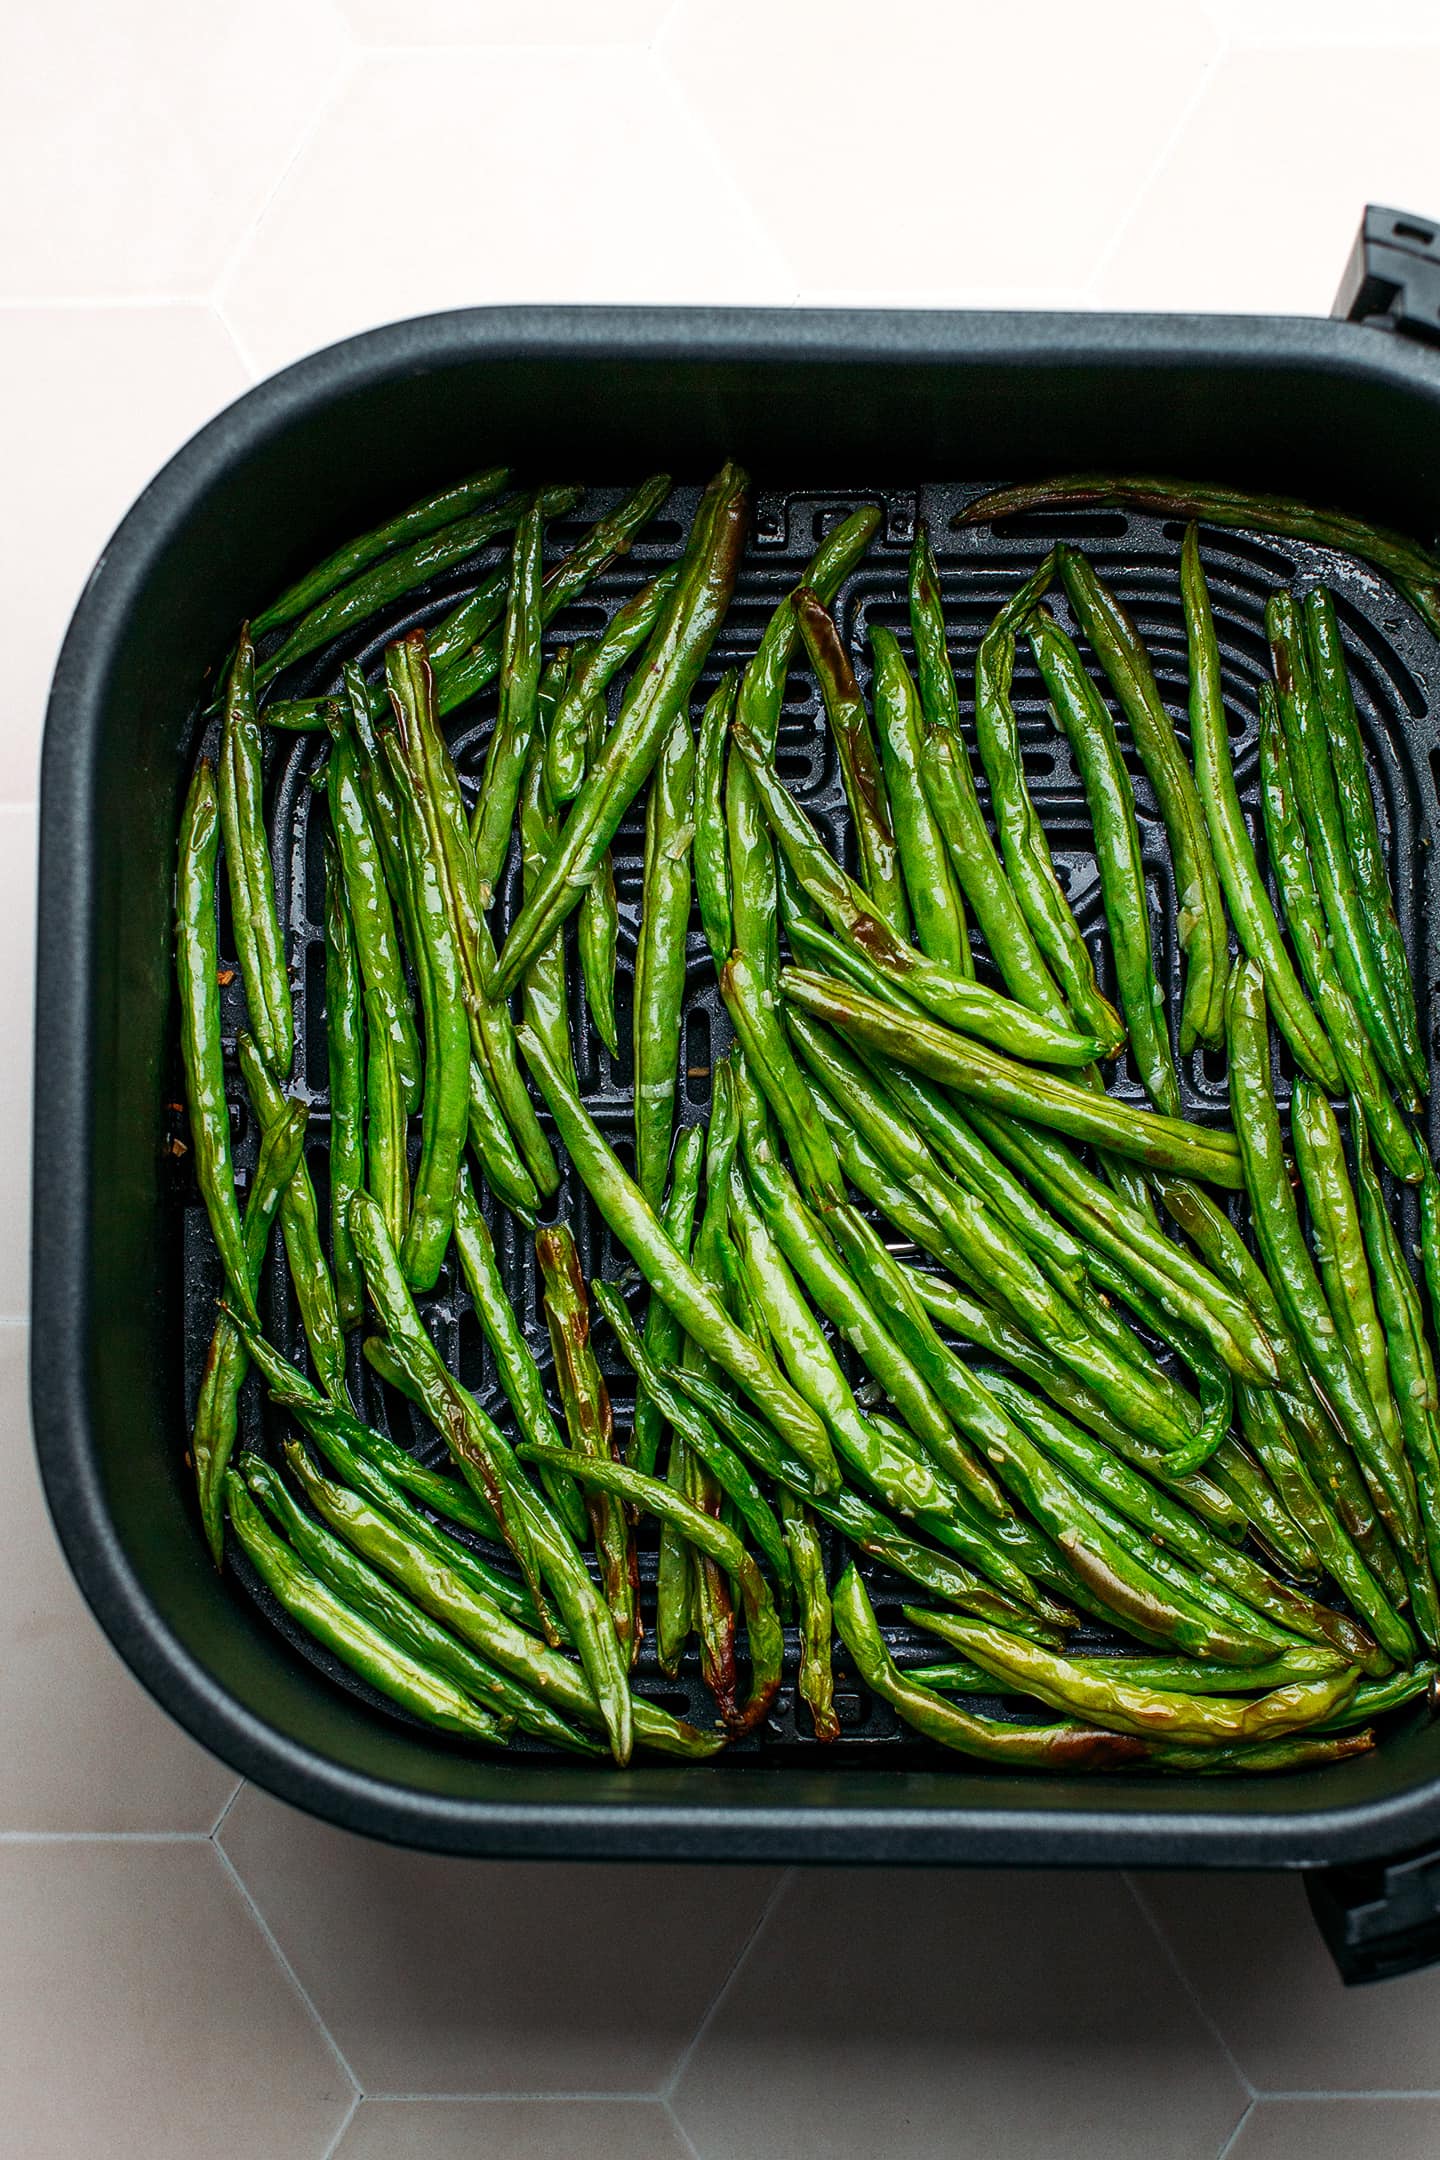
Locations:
(917, 412)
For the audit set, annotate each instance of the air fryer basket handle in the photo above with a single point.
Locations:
(1379, 1920)
(1392, 280)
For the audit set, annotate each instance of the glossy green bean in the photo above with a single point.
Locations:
(1246, 895)
(1295, 879)
(1313, 776)
(217, 1407)
(421, 1689)
(426, 516)
(860, 769)
(936, 907)
(596, 666)
(345, 1048)
(598, 933)
(1023, 845)
(712, 846)
(1200, 923)
(546, 1004)
(663, 1334)
(1411, 567)
(654, 695)
(815, 1680)
(969, 1006)
(1362, 835)
(772, 1063)
(258, 943)
(197, 965)
(300, 1227)
(1084, 719)
(515, 1366)
(659, 985)
(669, 1274)
(1122, 1705)
(371, 912)
(1066, 1746)
(986, 1076)
(515, 718)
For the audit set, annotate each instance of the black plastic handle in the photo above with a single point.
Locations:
(1379, 1920)
(1392, 280)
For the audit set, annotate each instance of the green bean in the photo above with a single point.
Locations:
(1045, 1747)
(217, 1408)
(514, 727)
(442, 813)
(718, 1544)
(515, 1367)
(1167, 1524)
(699, 1435)
(1341, 1255)
(860, 770)
(488, 1464)
(493, 1146)
(1373, 1698)
(425, 516)
(1263, 1423)
(402, 571)
(545, 1002)
(1294, 876)
(1412, 1368)
(1362, 836)
(1245, 893)
(258, 944)
(864, 1525)
(935, 904)
(387, 1608)
(1410, 567)
(834, 1290)
(1304, 1753)
(300, 1227)
(378, 1466)
(1022, 838)
(949, 784)
(345, 1045)
(1084, 720)
(712, 851)
(381, 968)
(1200, 917)
(986, 1076)
(771, 1060)
(655, 694)
(1174, 1675)
(1122, 1705)
(468, 1612)
(659, 987)
(1314, 781)
(815, 1681)
(966, 1005)
(596, 666)
(599, 926)
(1430, 1235)
(445, 1103)
(1277, 1224)
(662, 1333)
(197, 963)
(419, 1688)
(977, 1323)
(586, 1403)
(476, 643)
(669, 1274)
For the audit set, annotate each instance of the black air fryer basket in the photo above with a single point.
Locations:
(918, 412)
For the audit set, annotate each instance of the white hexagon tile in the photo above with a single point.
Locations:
(193, 195)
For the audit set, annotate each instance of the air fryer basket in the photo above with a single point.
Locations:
(917, 412)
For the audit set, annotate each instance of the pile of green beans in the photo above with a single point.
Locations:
(1135, 1415)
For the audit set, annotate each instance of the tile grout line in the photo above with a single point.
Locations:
(1363, 2092)
(349, 2116)
(688, 2146)
(1229, 2145)
(1168, 1952)
(470, 2099)
(666, 2090)
(223, 1817)
(268, 1935)
(104, 1837)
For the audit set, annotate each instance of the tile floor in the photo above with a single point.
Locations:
(192, 196)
